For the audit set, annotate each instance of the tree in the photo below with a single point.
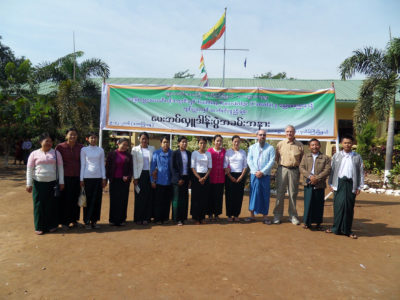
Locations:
(269, 75)
(183, 74)
(77, 98)
(22, 111)
(378, 91)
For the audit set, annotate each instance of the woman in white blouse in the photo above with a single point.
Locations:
(41, 175)
(236, 162)
(93, 179)
(142, 156)
(201, 164)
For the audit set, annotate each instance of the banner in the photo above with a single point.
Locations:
(192, 110)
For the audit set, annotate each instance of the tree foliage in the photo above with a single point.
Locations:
(378, 91)
(77, 98)
(22, 111)
(269, 75)
(183, 74)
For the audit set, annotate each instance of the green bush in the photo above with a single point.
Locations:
(364, 139)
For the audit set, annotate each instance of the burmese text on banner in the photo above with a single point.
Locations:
(226, 111)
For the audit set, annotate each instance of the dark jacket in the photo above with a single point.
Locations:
(176, 165)
(111, 165)
(322, 169)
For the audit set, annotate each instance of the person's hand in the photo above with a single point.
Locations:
(313, 180)
(181, 182)
(104, 183)
(154, 174)
(232, 179)
(82, 183)
(259, 174)
(358, 192)
(153, 185)
(61, 187)
(202, 180)
(239, 179)
(331, 189)
(136, 182)
(125, 178)
(29, 189)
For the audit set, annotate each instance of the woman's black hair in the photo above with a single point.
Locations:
(201, 138)
(45, 135)
(71, 129)
(92, 133)
(164, 137)
(314, 140)
(217, 136)
(235, 137)
(181, 138)
(145, 134)
(121, 140)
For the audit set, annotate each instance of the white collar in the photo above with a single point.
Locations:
(345, 154)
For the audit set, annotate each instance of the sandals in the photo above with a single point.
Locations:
(306, 227)
(236, 219)
(328, 231)
(38, 232)
(249, 219)
(353, 236)
(267, 222)
(319, 227)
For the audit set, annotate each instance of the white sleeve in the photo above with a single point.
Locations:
(244, 159)
(102, 164)
(193, 160)
(225, 161)
(83, 162)
(209, 165)
(60, 167)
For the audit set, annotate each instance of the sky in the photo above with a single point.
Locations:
(156, 39)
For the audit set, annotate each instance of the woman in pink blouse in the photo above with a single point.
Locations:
(217, 179)
(41, 175)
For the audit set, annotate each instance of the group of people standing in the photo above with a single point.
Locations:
(163, 177)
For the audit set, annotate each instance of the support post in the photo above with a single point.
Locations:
(223, 69)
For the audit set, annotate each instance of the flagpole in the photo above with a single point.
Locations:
(223, 70)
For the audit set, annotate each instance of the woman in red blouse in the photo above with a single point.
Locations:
(70, 151)
(217, 179)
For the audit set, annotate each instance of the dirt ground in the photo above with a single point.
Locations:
(211, 261)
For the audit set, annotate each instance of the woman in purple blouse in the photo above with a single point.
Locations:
(119, 170)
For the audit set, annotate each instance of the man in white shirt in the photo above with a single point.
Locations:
(346, 180)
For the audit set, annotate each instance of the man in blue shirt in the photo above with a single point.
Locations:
(260, 159)
(160, 165)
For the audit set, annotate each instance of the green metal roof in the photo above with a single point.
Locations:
(346, 91)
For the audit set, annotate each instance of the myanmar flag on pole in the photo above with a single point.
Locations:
(214, 34)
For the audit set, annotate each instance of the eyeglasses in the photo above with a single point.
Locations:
(262, 135)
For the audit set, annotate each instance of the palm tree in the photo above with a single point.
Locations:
(77, 93)
(378, 91)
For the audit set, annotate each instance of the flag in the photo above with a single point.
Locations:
(204, 78)
(245, 62)
(201, 65)
(206, 83)
(202, 59)
(214, 33)
(203, 70)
